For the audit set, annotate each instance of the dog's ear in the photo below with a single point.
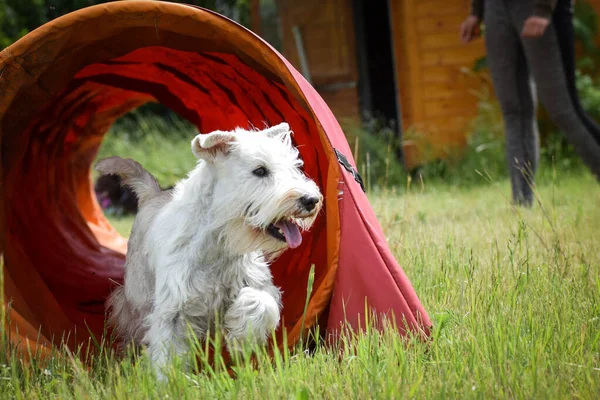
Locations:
(278, 130)
(208, 146)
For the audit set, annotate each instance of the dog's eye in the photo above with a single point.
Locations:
(260, 171)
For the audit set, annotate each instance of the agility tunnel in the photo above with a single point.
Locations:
(61, 88)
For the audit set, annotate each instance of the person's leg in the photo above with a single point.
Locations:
(544, 59)
(510, 77)
(562, 19)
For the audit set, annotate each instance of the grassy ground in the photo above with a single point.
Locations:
(514, 294)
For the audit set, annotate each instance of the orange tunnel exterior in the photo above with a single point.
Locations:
(61, 88)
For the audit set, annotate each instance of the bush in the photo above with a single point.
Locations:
(376, 149)
(19, 17)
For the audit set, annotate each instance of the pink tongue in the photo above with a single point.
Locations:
(291, 233)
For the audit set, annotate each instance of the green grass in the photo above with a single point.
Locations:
(514, 294)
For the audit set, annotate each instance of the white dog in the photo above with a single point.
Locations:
(200, 250)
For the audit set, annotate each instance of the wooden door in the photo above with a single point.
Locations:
(318, 39)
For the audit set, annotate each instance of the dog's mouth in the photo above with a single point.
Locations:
(286, 231)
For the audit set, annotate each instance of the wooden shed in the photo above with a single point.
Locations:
(401, 60)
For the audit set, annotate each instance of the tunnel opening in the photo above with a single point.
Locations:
(157, 138)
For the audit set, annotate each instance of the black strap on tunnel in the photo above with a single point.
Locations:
(346, 164)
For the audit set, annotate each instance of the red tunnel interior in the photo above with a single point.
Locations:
(54, 223)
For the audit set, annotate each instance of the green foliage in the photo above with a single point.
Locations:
(585, 26)
(589, 93)
(19, 17)
(5, 40)
(480, 64)
(483, 159)
(375, 148)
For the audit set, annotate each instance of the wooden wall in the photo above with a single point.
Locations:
(328, 34)
(436, 99)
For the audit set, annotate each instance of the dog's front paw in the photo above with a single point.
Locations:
(251, 318)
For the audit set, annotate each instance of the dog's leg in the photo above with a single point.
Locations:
(167, 334)
(164, 340)
(252, 317)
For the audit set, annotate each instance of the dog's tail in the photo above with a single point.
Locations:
(132, 174)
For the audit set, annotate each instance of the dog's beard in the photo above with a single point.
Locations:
(242, 238)
(246, 234)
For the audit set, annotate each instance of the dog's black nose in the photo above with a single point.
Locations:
(309, 202)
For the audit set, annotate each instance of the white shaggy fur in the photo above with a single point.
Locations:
(200, 250)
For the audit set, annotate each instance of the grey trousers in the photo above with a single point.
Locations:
(512, 62)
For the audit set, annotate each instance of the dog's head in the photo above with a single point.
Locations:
(259, 189)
